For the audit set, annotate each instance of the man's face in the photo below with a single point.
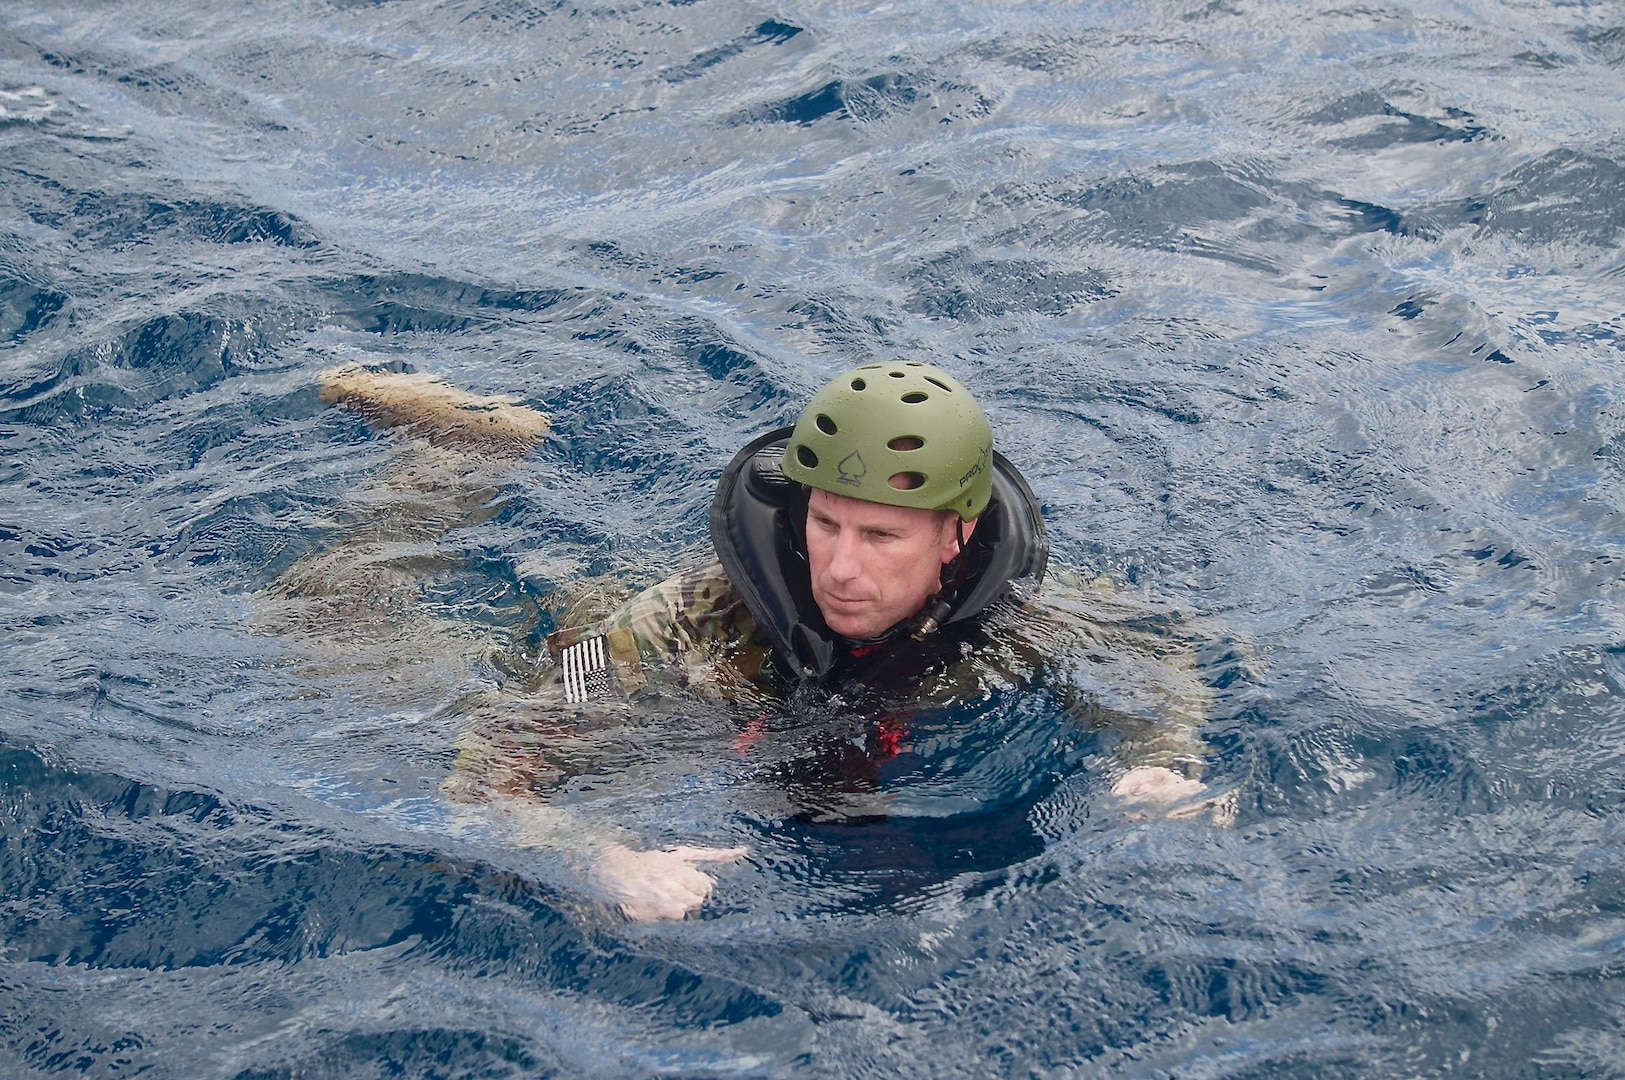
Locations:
(874, 565)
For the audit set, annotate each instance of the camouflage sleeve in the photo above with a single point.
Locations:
(692, 629)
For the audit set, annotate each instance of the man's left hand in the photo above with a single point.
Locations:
(650, 885)
(1150, 789)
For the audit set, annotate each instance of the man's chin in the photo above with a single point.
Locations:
(854, 628)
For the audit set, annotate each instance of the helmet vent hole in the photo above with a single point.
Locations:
(858, 384)
(808, 459)
(914, 397)
(825, 424)
(906, 442)
(939, 383)
(907, 481)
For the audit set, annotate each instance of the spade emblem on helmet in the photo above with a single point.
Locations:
(852, 469)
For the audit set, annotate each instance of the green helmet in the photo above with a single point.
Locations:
(901, 433)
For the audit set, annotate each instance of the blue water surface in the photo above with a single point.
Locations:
(1305, 319)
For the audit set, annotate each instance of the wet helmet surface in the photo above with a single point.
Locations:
(902, 433)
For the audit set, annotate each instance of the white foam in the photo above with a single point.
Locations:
(31, 104)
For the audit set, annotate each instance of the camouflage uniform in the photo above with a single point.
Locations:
(1116, 662)
(692, 630)
(1118, 666)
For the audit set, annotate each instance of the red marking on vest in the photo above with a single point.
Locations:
(748, 738)
(888, 737)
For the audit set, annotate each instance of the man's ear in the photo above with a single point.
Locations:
(953, 532)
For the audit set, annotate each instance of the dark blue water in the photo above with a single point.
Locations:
(1308, 321)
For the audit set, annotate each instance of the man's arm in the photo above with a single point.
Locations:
(1126, 666)
(511, 777)
(452, 451)
(690, 631)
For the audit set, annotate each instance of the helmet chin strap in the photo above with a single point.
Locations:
(938, 606)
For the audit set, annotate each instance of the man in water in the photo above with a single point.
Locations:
(865, 550)
(841, 542)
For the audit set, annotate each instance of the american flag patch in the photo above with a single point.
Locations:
(586, 668)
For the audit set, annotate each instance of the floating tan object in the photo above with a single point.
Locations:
(442, 415)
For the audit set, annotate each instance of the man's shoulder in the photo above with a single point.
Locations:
(689, 622)
(698, 601)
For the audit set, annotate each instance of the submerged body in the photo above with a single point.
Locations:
(915, 749)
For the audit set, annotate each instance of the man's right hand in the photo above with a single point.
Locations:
(650, 885)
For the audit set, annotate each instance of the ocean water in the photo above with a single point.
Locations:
(1306, 319)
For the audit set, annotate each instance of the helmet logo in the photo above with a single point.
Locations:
(981, 463)
(852, 470)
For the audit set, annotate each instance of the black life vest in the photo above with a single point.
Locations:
(757, 522)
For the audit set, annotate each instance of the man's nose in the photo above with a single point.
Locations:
(844, 561)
